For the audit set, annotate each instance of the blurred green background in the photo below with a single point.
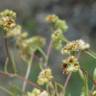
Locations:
(81, 18)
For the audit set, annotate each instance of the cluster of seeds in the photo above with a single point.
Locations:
(70, 64)
(45, 76)
(59, 27)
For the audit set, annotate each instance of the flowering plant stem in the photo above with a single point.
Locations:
(27, 72)
(5, 65)
(10, 58)
(86, 86)
(48, 53)
(84, 77)
(66, 82)
(90, 54)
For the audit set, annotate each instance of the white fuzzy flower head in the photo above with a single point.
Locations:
(8, 13)
(75, 46)
(7, 19)
(7, 23)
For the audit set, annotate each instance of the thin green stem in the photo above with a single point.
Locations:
(47, 88)
(84, 77)
(51, 86)
(5, 65)
(90, 54)
(27, 73)
(42, 52)
(6, 90)
(66, 82)
(48, 53)
(41, 63)
(13, 62)
(56, 89)
(59, 85)
(86, 86)
(10, 57)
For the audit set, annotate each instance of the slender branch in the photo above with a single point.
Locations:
(6, 64)
(42, 52)
(13, 62)
(86, 85)
(48, 53)
(58, 84)
(66, 82)
(84, 76)
(27, 73)
(49, 48)
(90, 54)
(9, 55)
(12, 75)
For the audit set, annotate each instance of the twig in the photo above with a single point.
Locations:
(11, 75)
